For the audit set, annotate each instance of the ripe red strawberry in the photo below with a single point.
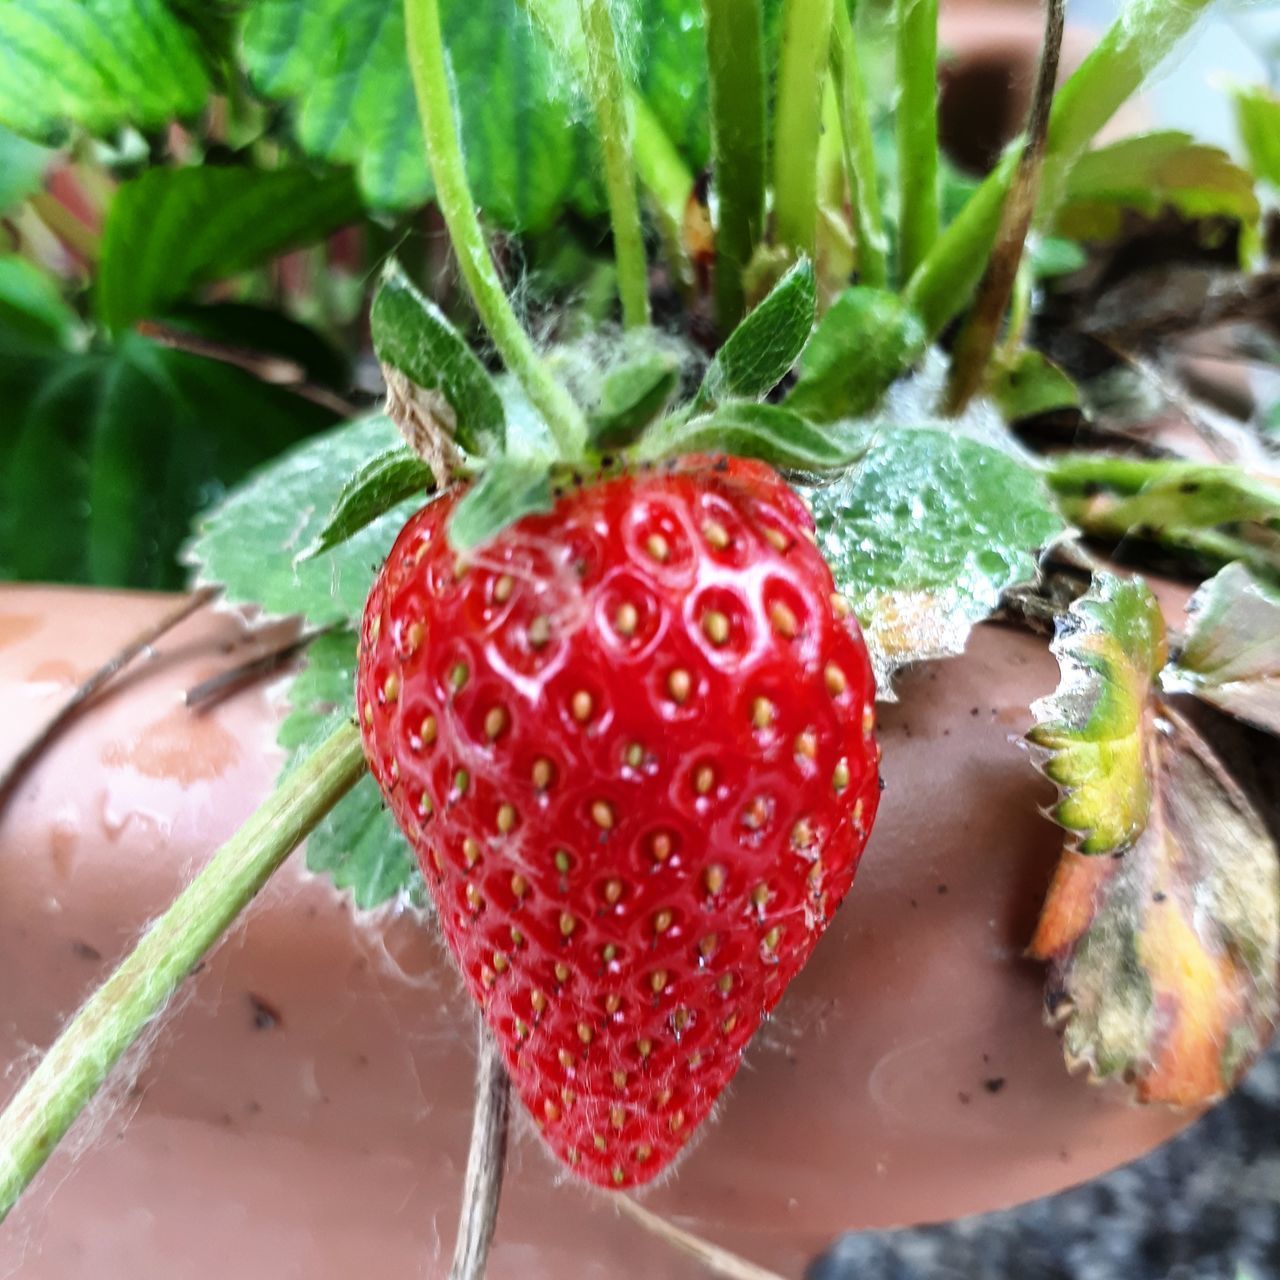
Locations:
(631, 741)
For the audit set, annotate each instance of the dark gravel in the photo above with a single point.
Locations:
(1205, 1206)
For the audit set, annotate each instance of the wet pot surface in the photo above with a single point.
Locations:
(305, 1109)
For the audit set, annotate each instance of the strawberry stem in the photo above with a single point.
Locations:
(111, 1020)
(802, 78)
(735, 59)
(859, 151)
(432, 84)
(608, 89)
(1134, 45)
(917, 129)
(486, 1163)
(977, 339)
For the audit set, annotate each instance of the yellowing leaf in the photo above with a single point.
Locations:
(1163, 959)
(1110, 646)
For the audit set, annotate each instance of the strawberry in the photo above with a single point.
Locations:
(631, 741)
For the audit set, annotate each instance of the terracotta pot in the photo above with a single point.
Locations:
(304, 1111)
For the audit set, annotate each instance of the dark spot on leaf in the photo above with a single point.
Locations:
(265, 1015)
(1159, 896)
(973, 711)
(83, 951)
(1189, 486)
(965, 1099)
(942, 889)
(994, 1085)
(253, 1106)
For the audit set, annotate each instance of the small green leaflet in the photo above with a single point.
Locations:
(1258, 119)
(357, 844)
(1231, 653)
(253, 542)
(631, 396)
(1146, 174)
(412, 335)
(100, 64)
(1029, 384)
(867, 339)
(1096, 728)
(382, 483)
(506, 490)
(925, 533)
(759, 352)
(106, 455)
(172, 229)
(772, 433)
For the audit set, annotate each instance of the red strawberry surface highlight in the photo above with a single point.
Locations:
(632, 743)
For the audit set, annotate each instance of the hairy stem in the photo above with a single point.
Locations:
(735, 58)
(1133, 46)
(981, 329)
(666, 179)
(486, 1162)
(916, 28)
(117, 1013)
(718, 1262)
(802, 76)
(661, 169)
(431, 82)
(859, 151)
(608, 90)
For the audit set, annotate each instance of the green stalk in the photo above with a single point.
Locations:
(916, 23)
(431, 82)
(120, 1010)
(665, 176)
(735, 58)
(608, 89)
(1135, 44)
(659, 166)
(859, 151)
(802, 75)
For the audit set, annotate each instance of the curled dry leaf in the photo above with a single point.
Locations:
(1162, 925)
(1231, 655)
(1163, 959)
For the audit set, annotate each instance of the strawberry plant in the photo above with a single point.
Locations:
(599, 596)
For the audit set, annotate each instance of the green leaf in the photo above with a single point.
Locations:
(1031, 384)
(357, 844)
(1163, 959)
(384, 482)
(173, 229)
(1113, 497)
(1258, 119)
(631, 396)
(1231, 653)
(770, 432)
(105, 456)
(925, 533)
(506, 490)
(1095, 728)
(757, 355)
(31, 305)
(866, 340)
(412, 335)
(341, 63)
(22, 166)
(99, 64)
(252, 543)
(1147, 174)
(1053, 256)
